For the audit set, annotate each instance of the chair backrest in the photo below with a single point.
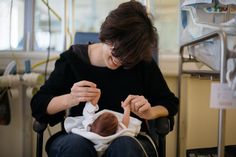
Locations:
(86, 37)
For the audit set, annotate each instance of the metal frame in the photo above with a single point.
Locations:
(224, 57)
(29, 25)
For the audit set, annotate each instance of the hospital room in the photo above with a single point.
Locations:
(117, 78)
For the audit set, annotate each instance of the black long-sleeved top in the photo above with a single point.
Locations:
(145, 79)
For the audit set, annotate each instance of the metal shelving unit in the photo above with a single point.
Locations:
(221, 74)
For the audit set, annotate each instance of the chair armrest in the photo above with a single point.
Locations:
(39, 127)
(161, 126)
(158, 129)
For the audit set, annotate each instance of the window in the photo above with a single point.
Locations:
(166, 17)
(82, 16)
(48, 31)
(91, 14)
(12, 24)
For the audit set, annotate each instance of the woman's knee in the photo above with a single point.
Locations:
(125, 146)
(72, 145)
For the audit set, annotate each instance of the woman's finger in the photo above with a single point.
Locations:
(85, 83)
(139, 104)
(144, 108)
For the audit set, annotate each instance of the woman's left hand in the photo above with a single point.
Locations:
(139, 105)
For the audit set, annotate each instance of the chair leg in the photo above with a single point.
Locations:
(162, 147)
(39, 147)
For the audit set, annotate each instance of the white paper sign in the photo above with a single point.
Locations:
(222, 96)
(191, 2)
(228, 2)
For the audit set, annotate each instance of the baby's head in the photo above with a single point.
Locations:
(105, 125)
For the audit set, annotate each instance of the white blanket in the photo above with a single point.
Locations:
(80, 125)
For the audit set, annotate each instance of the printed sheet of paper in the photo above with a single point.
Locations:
(191, 2)
(228, 2)
(222, 96)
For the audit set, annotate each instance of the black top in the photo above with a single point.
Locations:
(73, 65)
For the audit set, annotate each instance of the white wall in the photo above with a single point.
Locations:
(199, 122)
(16, 138)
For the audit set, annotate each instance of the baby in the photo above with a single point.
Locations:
(107, 123)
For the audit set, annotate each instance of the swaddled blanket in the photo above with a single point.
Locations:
(80, 125)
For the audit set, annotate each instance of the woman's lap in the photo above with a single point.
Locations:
(124, 146)
(71, 145)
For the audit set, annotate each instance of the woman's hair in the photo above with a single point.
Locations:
(105, 125)
(129, 29)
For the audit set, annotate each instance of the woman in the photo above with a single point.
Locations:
(120, 68)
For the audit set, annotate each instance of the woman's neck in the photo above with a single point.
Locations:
(95, 54)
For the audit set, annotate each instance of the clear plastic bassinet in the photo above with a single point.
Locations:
(199, 19)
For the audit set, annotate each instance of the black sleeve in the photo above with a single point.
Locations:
(59, 83)
(157, 90)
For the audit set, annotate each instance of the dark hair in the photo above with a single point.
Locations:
(105, 125)
(131, 32)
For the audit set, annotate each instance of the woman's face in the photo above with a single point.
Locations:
(110, 61)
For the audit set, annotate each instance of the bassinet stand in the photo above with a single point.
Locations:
(222, 74)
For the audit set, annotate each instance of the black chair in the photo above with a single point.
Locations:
(86, 37)
(158, 128)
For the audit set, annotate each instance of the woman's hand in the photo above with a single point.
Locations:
(139, 105)
(83, 91)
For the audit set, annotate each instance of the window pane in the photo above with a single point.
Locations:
(165, 14)
(90, 14)
(41, 27)
(12, 24)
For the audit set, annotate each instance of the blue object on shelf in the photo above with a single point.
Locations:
(27, 66)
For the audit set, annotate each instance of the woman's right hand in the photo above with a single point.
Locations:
(84, 91)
